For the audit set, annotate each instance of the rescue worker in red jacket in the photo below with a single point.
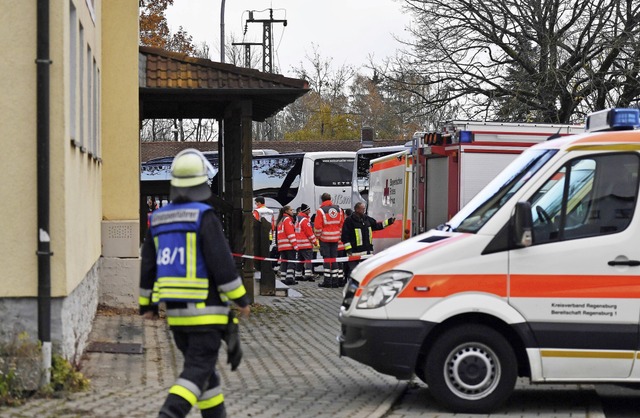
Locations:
(306, 240)
(287, 244)
(187, 264)
(328, 228)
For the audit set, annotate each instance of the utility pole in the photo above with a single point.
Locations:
(247, 51)
(222, 32)
(221, 170)
(267, 54)
(267, 51)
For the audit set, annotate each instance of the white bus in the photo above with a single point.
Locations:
(282, 179)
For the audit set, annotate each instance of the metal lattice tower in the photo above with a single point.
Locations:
(267, 48)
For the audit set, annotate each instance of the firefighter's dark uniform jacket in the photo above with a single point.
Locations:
(186, 263)
(191, 233)
(357, 233)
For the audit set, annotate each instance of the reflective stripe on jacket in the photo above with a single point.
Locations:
(195, 314)
(357, 233)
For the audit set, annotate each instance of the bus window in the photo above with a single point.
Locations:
(333, 171)
(277, 177)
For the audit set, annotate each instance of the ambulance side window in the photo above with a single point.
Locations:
(587, 197)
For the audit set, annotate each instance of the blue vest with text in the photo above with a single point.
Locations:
(181, 272)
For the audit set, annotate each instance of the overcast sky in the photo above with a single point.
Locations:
(347, 31)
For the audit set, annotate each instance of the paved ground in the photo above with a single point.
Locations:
(527, 401)
(290, 369)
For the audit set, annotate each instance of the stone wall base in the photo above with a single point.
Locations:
(71, 317)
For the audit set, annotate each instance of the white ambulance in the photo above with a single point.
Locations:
(538, 276)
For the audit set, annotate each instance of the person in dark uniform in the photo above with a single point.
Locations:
(357, 233)
(187, 264)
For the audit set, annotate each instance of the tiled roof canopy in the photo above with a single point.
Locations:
(174, 85)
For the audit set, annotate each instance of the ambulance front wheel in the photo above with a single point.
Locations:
(471, 369)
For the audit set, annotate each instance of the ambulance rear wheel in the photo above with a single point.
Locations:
(471, 369)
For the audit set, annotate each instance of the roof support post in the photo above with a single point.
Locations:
(239, 185)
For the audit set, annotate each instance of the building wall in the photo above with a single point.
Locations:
(120, 267)
(77, 150)
(75, 178)
(18, 156)
(120, 125)
(82, 159)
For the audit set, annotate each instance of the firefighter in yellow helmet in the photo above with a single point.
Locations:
(187, 264)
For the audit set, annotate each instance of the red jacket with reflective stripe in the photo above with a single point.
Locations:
(328, 223)
(287, 235)
(304, 233)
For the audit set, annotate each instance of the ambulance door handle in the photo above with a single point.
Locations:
(632, 263)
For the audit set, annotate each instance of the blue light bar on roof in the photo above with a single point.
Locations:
(466, 136)
(613, 120)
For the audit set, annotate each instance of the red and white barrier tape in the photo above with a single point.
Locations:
(317, 260)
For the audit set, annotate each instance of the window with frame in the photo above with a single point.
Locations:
(588, 196)
(333, 171)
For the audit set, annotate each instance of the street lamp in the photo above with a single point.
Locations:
(222, 32)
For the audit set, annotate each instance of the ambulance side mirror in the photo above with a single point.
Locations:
(522, 225)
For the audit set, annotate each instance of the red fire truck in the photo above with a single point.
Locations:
(426, 185)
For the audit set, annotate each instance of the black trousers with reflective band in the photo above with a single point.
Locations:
(200, 351)
(288, 269)
(329, 250)
(304, 269)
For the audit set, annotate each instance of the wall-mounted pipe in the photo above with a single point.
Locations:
(44, 254)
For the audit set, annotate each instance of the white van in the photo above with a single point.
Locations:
(538, 276)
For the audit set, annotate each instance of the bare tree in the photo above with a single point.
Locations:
(543, 60)
(328, 83)
(323, 112)
(154, 31)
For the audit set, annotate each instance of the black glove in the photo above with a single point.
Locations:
(149, 308)
(391, 221)
(232, 338)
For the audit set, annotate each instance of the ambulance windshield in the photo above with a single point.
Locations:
(486, 203)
